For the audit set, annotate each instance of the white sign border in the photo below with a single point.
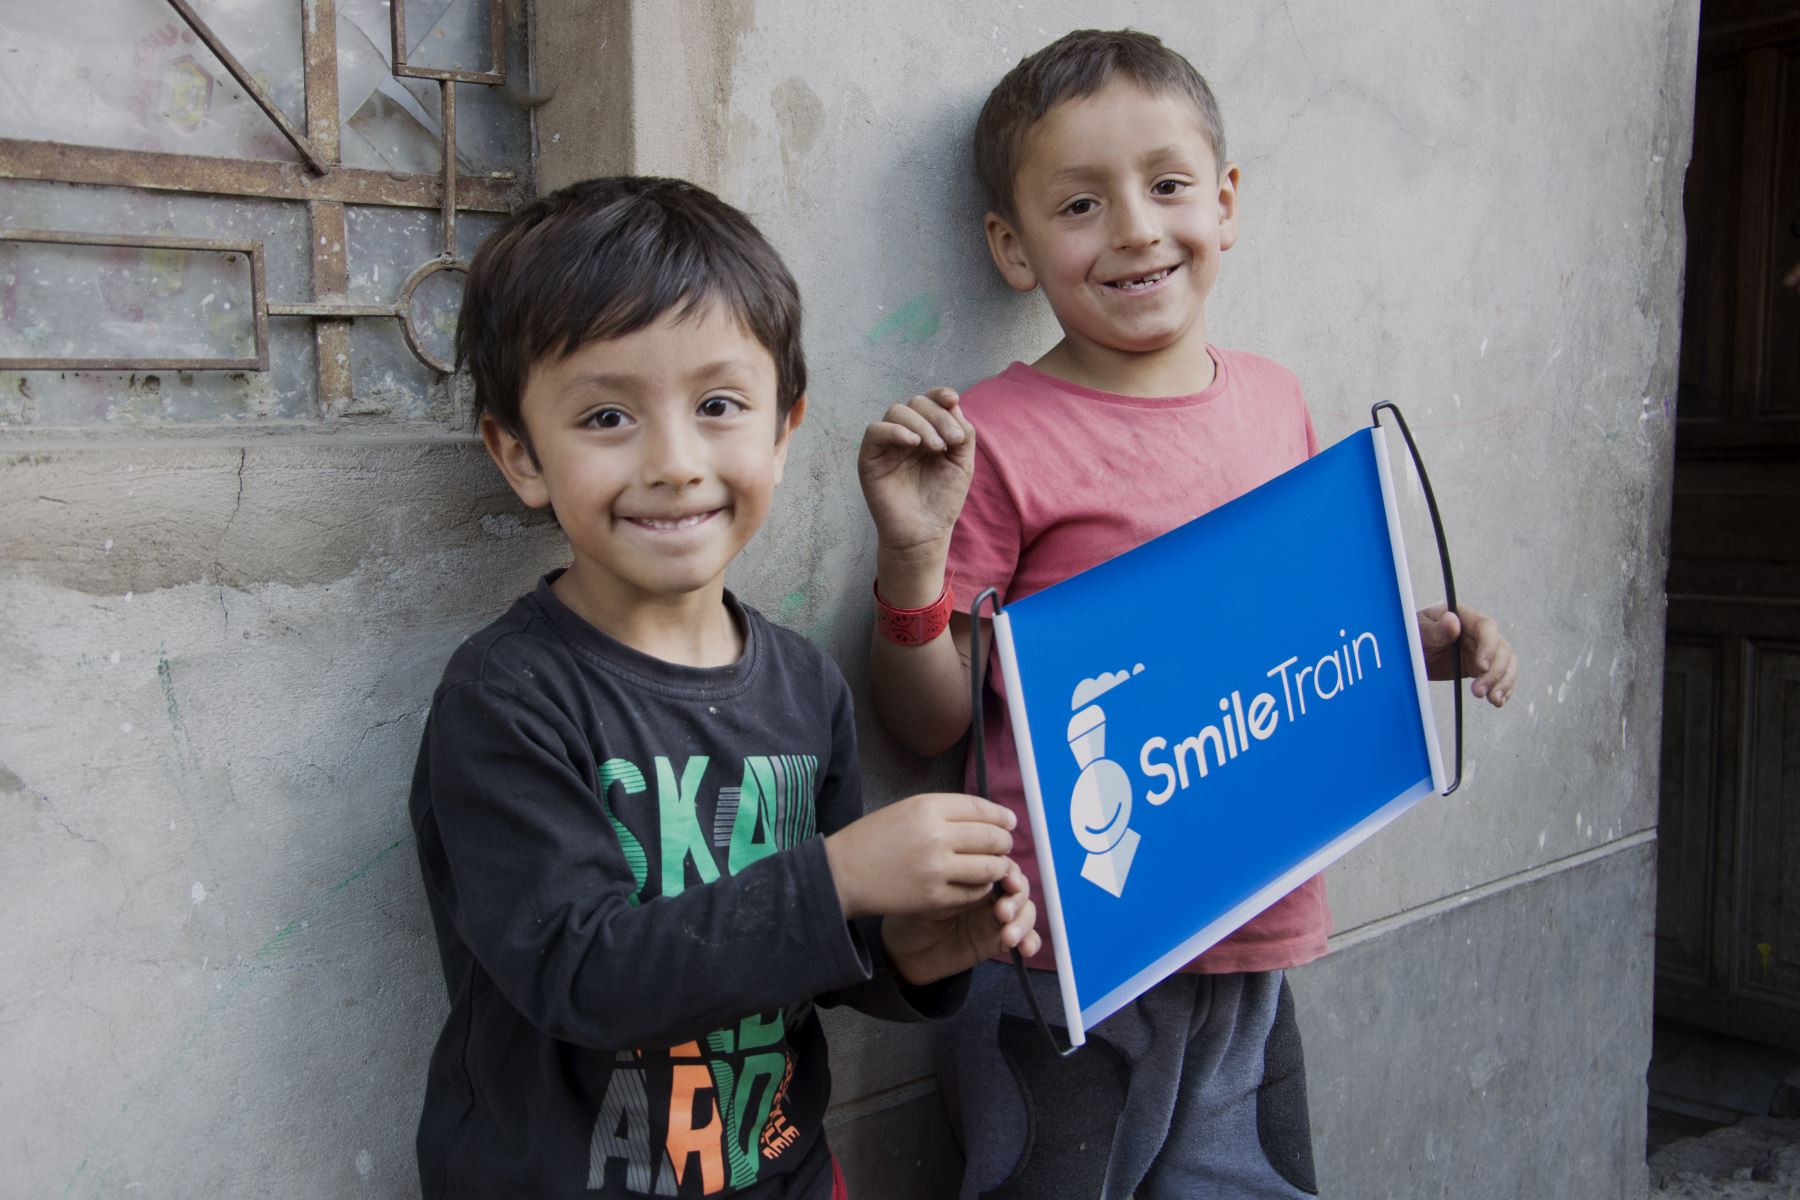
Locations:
(1040, 829)
(1409, 610)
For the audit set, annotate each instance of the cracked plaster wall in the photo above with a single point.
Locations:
(217, 648)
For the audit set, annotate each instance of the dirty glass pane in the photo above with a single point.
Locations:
(59, 300)
(449, 35)
(90, 397)
(130, 74)
(396, 124)
(387, 124)
(435, 305)
(386, 245)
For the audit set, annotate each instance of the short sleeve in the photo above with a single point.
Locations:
(984, 546)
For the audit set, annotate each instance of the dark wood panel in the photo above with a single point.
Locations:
(1780, 396)
(1755, 527)
(1730, 27)
(1692, 617)
(1755, 266)
(1729, 855)
(1766, 958)
(1732, 577)
(1685, 850)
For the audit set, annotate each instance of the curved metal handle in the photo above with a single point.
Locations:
(1443, 546)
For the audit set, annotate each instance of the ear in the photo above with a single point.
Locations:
(1008, 251)
(785, 436)
(1228, 213)
(516, 461)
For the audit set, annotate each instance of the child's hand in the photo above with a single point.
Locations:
(932, 946)
(924, 854)
(1488, 657)
(915, 465)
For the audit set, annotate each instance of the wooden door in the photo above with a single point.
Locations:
(1728, 902)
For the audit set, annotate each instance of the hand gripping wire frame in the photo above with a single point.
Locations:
(1443, 548)
(978, 751)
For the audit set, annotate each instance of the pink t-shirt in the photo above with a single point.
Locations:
(1067, 477)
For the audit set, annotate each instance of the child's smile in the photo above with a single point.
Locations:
(673, 524)
(1144, 283)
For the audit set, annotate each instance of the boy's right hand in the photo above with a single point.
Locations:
(926, 853)
(915, 466)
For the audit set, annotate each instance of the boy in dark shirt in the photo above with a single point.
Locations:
(624, 779)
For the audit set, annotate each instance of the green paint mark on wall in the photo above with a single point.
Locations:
(185, 754)
(915, 321)
(792, 603)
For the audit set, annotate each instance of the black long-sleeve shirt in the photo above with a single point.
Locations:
(635, 915)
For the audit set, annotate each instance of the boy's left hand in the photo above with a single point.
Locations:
(926, 948)
(1487, 656)
(915, 465)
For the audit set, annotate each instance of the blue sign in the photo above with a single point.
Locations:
(1205, 722)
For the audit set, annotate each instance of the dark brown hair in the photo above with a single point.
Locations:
(609, 257)
(1075, 65)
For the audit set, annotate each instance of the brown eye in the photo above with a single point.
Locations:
(607, 418)
(718, 406)
(1079, 208)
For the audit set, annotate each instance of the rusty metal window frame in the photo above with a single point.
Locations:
(319, 180)
(251, 250)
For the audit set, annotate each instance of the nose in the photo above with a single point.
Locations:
(1135, 223)
(673, 455)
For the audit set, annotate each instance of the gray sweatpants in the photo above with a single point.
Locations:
(1194, 1090)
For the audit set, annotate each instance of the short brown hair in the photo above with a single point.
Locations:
(1075, 65)
(609, 257)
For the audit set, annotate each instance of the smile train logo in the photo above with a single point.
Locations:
(1100, 805)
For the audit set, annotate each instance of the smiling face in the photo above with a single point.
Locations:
(1122, 216)
(659, 452)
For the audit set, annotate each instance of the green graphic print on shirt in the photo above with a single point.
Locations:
(725, 1113)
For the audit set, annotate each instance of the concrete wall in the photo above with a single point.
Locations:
(217, 646)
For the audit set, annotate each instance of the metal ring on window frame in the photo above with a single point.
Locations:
(403, 310)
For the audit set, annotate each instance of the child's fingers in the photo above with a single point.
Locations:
(964, 895)
(1016, 894)
(1015, 913)
(976, 870)
(960, 806)
(974, 808)
(942, 420)
(954, 406)
(885, 435)
(977, 837)
(1501, 678)
(1019, 930)
(909, 416)
(1438, 628)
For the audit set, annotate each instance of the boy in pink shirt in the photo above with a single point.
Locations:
(1102, 159)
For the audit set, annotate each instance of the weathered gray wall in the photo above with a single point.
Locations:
(216, 647)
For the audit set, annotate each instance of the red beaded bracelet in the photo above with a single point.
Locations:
(914, 626)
